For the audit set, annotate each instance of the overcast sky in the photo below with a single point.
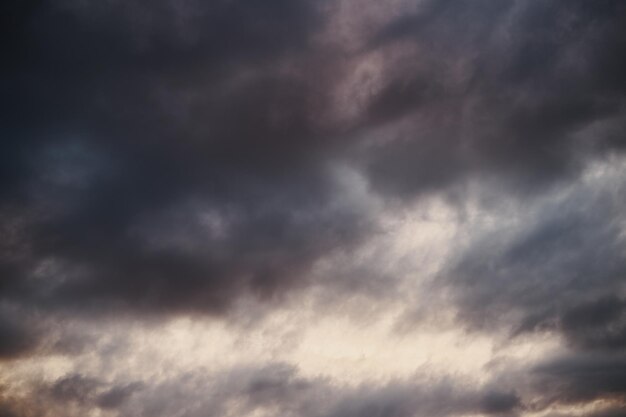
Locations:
(313, 208)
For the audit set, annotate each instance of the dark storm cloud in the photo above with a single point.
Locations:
(599, 324)
(174, 156)
(121, 113)
(582, 378)
(567, 380)
(130, 125)
(16, 338)
(499, 89)
(500, 402)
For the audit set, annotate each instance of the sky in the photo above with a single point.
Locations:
(313, 208)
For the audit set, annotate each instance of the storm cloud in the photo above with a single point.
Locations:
(451, 170)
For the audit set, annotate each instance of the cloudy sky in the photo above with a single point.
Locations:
(313, 208)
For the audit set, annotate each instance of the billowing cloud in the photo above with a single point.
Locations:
(416, 171)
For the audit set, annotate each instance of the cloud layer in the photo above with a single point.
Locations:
(445, 167)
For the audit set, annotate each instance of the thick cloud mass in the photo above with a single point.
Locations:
(182, 158)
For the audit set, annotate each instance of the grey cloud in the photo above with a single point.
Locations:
(498, 89)
(500, 402)
(18, 336)
(582, 378)
(117, 396)
(222, 103)
(563, 260)
(275, 388)
(15, 340)
(599, 324)
(172, 157)
(74, 388)
(612, 412)
(616, 411)
(122, 114)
